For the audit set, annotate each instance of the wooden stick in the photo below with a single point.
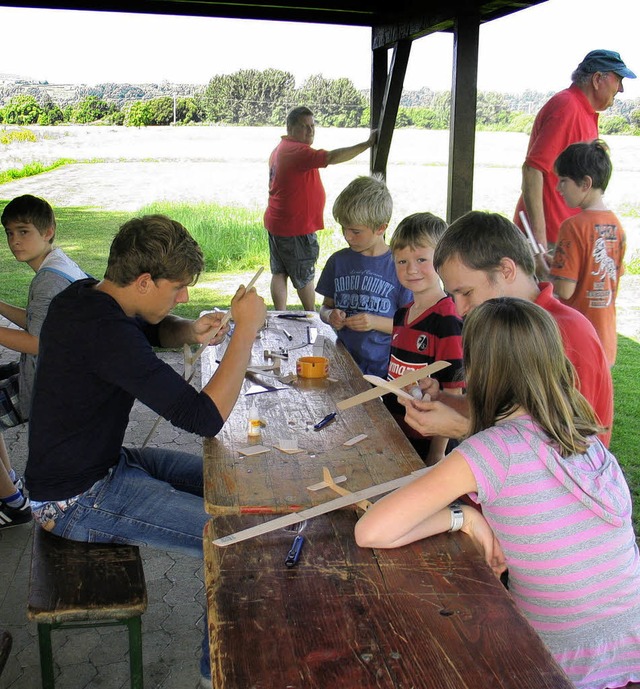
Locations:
(386, 385)
(406, 379)
(535, 246)
(223, 322)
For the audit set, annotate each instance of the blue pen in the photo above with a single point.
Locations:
(294, 553)
(327, 419)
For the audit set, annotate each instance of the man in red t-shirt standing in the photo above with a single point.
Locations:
(296, 205)
(568, 117)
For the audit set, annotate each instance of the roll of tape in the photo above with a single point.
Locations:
(312, 367)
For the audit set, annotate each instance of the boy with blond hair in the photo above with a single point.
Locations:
(359, 284)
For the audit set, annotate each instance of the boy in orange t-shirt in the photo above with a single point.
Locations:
(587, 263)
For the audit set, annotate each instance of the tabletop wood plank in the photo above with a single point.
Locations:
(276, 480)
(430, 615)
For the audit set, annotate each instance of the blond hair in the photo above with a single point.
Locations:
(366, 201)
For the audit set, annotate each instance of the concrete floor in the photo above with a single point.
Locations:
(88, 658)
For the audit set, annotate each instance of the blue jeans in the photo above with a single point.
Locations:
(151, 497)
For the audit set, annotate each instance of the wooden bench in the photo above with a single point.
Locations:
(75, 584)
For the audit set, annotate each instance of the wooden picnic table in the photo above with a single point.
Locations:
(430, 615)
(277, 481)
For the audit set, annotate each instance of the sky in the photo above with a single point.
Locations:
(536, 48)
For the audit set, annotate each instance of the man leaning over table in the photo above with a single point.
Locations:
(296, 206)
(482, 256)
(96, 358)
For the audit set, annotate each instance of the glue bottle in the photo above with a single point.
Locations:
(254, 426)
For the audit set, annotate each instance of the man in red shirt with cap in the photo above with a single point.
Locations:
(568, 117)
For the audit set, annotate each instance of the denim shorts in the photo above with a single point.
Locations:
(295, 257)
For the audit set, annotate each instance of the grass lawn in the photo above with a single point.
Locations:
(625, 442)
(85, 234)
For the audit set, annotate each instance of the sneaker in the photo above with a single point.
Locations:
(19, 484)
(8, 370)
(12, 516)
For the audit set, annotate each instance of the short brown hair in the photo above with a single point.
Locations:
(30, 209)
(157, 245)
(481, 240)
(586, 159)
(296, 115)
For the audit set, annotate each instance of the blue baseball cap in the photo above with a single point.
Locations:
(605, 61)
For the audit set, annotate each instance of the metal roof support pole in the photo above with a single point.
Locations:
(464, 96)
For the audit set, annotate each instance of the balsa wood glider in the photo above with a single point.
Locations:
(309, 513)
(394, 385)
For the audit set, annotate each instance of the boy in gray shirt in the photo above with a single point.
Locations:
(30, 226)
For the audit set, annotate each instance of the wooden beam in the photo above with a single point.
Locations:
(353, 14)
(398, 23)
(379, 69)
(387, 35)
(399, 20)
(389, 108)
(462, 128)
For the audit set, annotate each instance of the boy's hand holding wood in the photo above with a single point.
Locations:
(337, 319)
(248, 309)
(208, 324)
(364, 322)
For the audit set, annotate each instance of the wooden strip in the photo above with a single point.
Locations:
(311, 512)
(387, 385)
(354, 440)
(406, 379)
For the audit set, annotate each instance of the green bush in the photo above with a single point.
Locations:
(22, 110)
(632, 265)
(614, 124)
(51, 114)
(520, 122)
(138, 114)
(91, 109)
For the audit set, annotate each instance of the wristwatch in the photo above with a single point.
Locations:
(457, 517)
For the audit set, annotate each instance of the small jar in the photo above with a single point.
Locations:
(254, 425)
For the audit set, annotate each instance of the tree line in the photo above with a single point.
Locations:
(253, 97)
